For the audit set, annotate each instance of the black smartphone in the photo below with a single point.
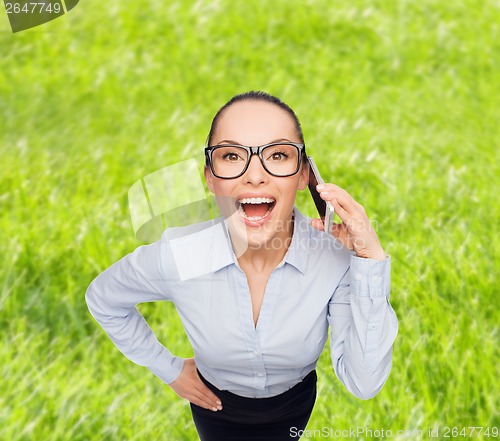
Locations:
(325, 209)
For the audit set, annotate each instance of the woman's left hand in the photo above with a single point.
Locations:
(355, 232)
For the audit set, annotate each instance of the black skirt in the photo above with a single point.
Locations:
(277, 418)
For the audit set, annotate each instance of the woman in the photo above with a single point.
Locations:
(257, 288)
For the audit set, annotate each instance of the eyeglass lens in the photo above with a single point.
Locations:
(279, 160)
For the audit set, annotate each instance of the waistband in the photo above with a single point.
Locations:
(307, 383)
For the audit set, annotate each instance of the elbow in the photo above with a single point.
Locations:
(90, 299)
(101, 308)
(362, 384)
(88, 296)
(367, 393)
(368, 389)
(373, 381)
(365, 382)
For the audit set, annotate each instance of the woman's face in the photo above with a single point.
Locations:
(254, 123)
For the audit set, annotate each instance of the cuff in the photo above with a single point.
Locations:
(371, 277)
(166, 366)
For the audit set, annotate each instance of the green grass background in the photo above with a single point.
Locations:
(399, 102)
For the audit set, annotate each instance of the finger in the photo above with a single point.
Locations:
(209, 397)
(356, 225)
(345, 216)
(344, 199)
(331, 187)
(336, 230)
(318, 224)
(341, 211)
(201, 399)
(214, 399)
(202, 387)
(199, 402)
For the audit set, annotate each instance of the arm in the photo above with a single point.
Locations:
(112, 298)
(363, 327)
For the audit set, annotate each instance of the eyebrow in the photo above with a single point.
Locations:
(230, 141)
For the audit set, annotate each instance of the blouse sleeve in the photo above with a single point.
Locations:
(112, 298)
(363, 327)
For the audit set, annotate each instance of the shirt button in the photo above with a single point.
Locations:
(357, 276)
(260, 374)
(256, 353)
(376, 279)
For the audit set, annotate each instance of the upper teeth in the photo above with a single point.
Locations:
(256, 201)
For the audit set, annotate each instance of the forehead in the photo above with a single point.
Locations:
(255, 123)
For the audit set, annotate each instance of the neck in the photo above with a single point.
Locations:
(265, 257)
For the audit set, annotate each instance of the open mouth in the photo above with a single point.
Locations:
(255, 209)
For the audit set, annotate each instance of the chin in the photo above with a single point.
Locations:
(260, 240)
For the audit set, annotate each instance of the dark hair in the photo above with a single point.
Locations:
(255, 95)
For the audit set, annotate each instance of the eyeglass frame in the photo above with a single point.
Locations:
(255, 150)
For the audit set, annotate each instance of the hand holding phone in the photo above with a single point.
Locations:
(325, 209)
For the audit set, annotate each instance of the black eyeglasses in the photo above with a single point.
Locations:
(231, 161)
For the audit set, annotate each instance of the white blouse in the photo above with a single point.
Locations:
(318, 284)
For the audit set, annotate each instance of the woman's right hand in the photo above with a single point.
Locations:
(188, 385)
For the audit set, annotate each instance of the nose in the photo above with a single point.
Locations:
(255, 173)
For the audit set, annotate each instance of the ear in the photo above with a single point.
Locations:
(209, 177)
(304, 175)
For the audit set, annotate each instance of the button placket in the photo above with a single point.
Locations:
(251, 336)
(356, 282)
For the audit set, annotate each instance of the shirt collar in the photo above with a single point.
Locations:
(296, 254)
(205, 248)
